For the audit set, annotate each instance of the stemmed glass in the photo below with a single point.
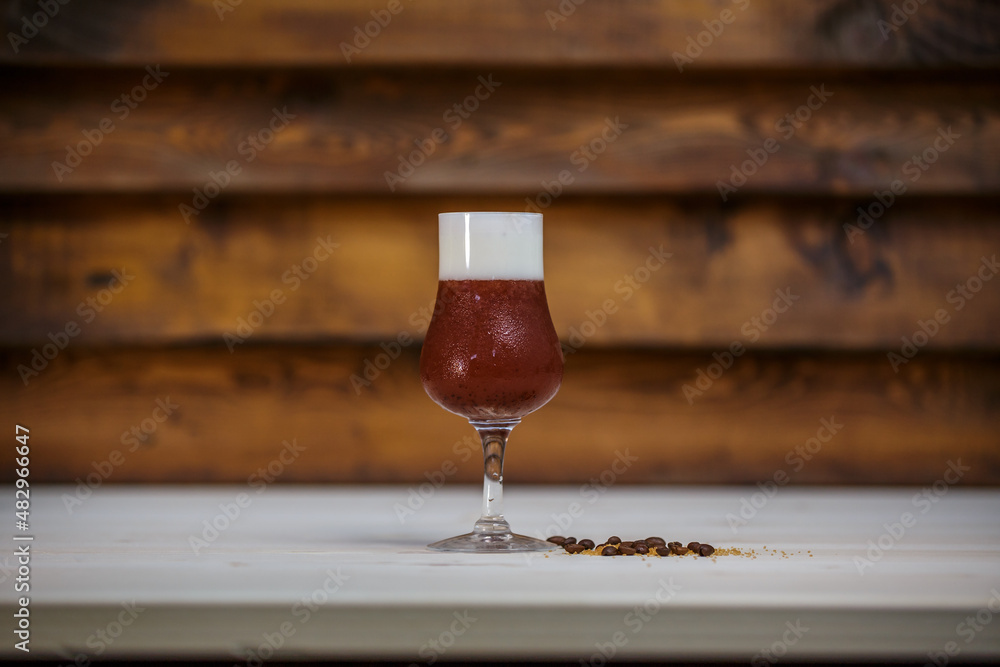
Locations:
(491, 353)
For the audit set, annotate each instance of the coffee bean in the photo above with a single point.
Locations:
(615, 546)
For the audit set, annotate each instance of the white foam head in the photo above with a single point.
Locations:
(490, 246)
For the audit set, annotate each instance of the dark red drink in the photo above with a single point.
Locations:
(491, 351)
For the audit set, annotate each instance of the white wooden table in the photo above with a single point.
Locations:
(332, 572)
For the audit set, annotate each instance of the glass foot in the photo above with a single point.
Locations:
(504, 543)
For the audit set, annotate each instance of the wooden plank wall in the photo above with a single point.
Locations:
(219, 221)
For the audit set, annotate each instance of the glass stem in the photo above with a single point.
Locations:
(494, 436)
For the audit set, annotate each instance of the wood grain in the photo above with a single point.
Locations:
(764, 33)
(398, 131)
(195, 282)
(223, 209)
(234, 411)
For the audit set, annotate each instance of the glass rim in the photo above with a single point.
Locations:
(517, 213)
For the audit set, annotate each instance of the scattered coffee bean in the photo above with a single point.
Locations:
(615, 546)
